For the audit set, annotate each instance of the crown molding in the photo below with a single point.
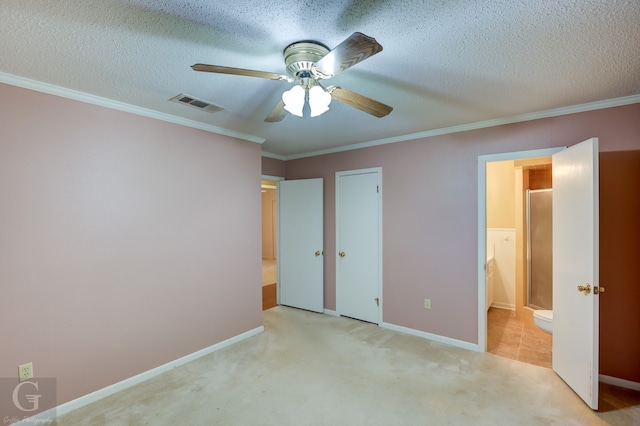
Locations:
(609, 103)
(275, 156)
(64, 92)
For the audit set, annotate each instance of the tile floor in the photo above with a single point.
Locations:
(510, 338)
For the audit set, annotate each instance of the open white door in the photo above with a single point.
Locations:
(575, 263)
(300, 252)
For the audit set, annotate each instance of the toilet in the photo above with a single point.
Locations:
(543, 319)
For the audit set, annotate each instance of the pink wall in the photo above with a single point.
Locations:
(119, 250)
(273, 167)
(619, 266)
(430, 218)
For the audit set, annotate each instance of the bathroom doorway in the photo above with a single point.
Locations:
(510, 330)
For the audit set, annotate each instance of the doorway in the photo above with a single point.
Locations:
(509, 241)
(268, 189)
(511, 332)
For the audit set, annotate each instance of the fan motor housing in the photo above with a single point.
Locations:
(301, 56)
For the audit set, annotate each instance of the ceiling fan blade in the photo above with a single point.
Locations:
(240, 71)
(356, 48)
(276, 114)
(360, 102)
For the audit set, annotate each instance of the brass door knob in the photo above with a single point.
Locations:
(586, 289)
(342, 254)
(318, 253)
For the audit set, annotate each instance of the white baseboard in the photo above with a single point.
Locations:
(446, 340)
(501, 305)
(332, 313)
(70, 406)
(619, 382)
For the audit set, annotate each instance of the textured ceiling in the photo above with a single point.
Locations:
(444, 63)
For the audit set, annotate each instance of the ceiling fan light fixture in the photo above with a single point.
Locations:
(319, 101)
(307, 62)
(294, 100)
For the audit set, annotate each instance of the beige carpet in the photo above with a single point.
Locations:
(314, 369)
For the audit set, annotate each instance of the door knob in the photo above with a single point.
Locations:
(318, 253)
(586, 289)
(342, 254)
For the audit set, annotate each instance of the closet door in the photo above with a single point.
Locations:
(300, 251)
(358, 242)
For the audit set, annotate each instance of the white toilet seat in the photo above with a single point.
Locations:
(544, 314)
(543, 318)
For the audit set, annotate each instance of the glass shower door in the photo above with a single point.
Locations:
(540, 250)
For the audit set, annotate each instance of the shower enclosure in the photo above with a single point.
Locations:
(539, 249)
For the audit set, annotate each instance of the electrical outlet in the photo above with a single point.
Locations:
(427, 303)
(25, 371)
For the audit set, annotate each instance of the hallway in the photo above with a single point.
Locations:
(269, 286)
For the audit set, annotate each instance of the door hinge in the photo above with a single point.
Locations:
(378, 189)
(377, 301)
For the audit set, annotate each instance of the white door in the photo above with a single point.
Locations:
(575, 263)
(358, 220)
(300, 257)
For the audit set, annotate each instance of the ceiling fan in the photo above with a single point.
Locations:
(307, 62)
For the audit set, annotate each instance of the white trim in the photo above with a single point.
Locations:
(609, 103)
(331, 313)
(441, 339)
(77, 403)
(482, 228)
(64, 92)
(278, 265)
(505, 306)
(274, 156)
(378, 172)
(628, 384)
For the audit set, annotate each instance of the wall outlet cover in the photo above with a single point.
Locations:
(25, 371)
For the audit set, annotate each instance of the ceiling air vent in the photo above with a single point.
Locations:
(196, 103)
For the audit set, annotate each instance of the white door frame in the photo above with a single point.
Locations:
(378, 171)
(482, 228)
(272, 178)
